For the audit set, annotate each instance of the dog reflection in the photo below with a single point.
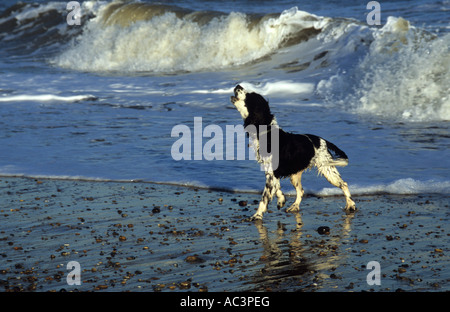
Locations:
(294, 259)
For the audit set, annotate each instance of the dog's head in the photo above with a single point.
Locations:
(253, 108)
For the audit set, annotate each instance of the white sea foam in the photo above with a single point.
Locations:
(33, 12)
(404, 75)
(407, 186)
(45, 98)
(167, 43)
(280, 87)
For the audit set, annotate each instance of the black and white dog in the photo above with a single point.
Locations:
(286, 154)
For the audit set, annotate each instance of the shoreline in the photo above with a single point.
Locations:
(145, 236)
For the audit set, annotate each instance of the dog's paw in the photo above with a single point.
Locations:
(293, 208)
(280, 204)
(350, 208)
(255, 217)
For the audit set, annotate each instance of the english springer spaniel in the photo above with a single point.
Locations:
(284, 154)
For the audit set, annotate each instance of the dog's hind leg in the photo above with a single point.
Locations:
(272, 188)
(296, 180)
(332, 175)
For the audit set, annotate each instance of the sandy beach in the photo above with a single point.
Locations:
(145, 237)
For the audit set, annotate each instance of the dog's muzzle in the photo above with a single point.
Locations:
(237, 88)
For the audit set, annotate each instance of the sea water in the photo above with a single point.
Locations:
(100, 100)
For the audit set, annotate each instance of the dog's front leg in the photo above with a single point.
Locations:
(281, 199)
(272, 186)
(261, 210)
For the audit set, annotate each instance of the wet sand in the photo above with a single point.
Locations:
(145, 237)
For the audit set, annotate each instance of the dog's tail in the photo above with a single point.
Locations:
(327, 154)
(338, 156)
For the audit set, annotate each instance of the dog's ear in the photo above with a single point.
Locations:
(259, 111)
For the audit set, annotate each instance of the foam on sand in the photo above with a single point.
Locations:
(407, 186)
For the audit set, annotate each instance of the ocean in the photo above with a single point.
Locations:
(98, 90)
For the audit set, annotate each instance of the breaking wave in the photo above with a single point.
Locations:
(141, 37)
(397, 71)
(404, 75)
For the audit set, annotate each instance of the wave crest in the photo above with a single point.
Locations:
(138, 37)
(403, 75)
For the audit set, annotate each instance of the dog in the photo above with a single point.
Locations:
(294, 153)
